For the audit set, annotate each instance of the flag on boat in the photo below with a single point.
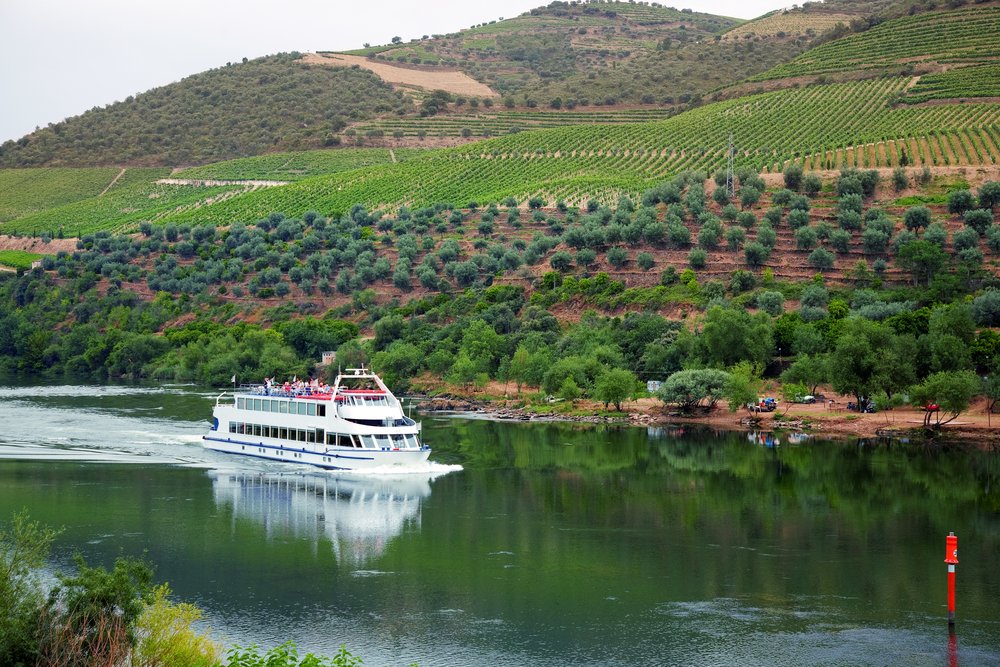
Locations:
(233, 380)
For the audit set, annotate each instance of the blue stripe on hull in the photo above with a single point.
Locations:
(272, 457)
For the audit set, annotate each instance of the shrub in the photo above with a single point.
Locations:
(708, 237)
(767, 236)
(811, 184)
(874, 241)
(989, 194)
(986, 309)
(993, 238)
(741, 281)
(960, 201)
(964, 239)
(979, 219)
(697, 258)
(899, 179)
(805, 238)
(678, 236)
(821, 259)
(617, 257)
(771, 302)
(782, 197)
(917, 217)
(735, 238)
(755, 252)
(644, 260)
(561, 261)
(936, 234)
(798, 218)
(840, 240)
(793, 176)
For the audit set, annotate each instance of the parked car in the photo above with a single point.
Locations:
(808, 398)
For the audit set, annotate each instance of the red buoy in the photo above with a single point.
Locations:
(951, 558)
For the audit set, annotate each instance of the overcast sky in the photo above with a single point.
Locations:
(59, 58)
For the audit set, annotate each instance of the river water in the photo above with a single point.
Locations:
(540, 544)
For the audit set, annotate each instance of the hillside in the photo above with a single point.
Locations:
(242, 109)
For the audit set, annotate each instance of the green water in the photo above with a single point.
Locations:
(553, 545)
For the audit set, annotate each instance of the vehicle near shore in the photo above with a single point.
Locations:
(355, 424)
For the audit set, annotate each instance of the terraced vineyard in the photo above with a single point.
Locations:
(965, 35)
(488, 124)
(964, 82)
(602, 162)
(27, 191)
(297, 166)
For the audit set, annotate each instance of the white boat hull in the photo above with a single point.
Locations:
(330, 458)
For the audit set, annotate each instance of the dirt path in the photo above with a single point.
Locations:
(113, 181)
(453, 81)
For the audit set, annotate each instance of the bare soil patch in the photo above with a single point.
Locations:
(453, 81)
(36, 245)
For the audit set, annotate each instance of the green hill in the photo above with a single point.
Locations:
(242, 109)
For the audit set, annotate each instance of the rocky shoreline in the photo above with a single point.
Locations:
(814, 420)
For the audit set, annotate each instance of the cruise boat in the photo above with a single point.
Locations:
(355, 424)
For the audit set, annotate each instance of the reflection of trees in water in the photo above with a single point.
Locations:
(736, 517)
(359, 515)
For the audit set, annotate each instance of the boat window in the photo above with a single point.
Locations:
(256, 429)
(331, 439)
(412, 441)
(382, 440)
(302, 435)
(311, 407)
(256, 404)
(321, 410)
(300, 408)
(283, 407)
(283, 433)
(232, 427)
(274, 406)
(368, 441)
(241, 403)
(398, 441)
(265, 405)
(310, 436)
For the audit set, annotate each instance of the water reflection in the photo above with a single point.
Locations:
(359, 515)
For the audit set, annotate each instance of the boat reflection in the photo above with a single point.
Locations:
(360, 515)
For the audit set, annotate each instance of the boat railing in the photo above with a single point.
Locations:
(280, 392)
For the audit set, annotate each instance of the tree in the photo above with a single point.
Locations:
(561, 261)
(756, 253)
(743, 386)
(868, 359)
(809, 370)
(917, 217)
(950, 391)
(989, 194)
(614, 386)
(821, 259)
(688, 389)
(569, 390)
(922, 259)
(481, 343)
(617, 256)
(733, 335)
(960, 201)
(24, 547)
(793, 176)
(771, 302)
(519, 366)
(979, 219)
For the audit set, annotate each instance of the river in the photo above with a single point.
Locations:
(527, 544)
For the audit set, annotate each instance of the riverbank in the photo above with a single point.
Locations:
(824, 419)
